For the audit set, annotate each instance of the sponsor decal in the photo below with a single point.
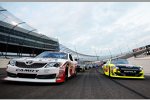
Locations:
(127, 71)
(26, 70)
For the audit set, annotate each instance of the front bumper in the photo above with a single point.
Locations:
(30, 80)
(132, 77)
(139, 75)
(41, 75)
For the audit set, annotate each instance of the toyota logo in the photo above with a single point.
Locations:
(29, 62)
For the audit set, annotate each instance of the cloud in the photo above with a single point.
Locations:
(89, 26)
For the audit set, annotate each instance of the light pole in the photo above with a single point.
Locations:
(76, 52)
(120, 50)
(41, 35)
(8, 39)
(3, 10)
(25, 38)
(30, 32)
(110, 52)
(100, 52)
(13, 29)
(43, 44)
(17, 25)
(128, 48)
(96, 55)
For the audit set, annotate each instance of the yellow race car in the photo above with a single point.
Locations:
(120, 68)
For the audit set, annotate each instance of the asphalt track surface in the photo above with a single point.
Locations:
(91, 84)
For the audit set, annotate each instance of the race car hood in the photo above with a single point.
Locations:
(41, 60)
(127, 65)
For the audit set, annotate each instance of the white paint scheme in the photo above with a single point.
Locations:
(40, 71)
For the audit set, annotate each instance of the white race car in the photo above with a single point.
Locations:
(47, 67)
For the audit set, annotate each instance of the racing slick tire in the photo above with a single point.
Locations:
(109, 72)
(76, 72)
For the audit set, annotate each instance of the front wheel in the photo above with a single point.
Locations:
(75, 73)
(66, 74)
(109, 72)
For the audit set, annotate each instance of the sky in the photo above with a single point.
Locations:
(93, 28)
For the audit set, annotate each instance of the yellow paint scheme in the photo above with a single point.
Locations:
(110, 70)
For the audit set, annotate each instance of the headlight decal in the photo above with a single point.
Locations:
(53, 64)
(141, 68)
(12, 62)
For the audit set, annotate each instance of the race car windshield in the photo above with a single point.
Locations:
(52, 55)
(120, 61)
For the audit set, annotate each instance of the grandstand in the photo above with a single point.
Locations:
(18, 37)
